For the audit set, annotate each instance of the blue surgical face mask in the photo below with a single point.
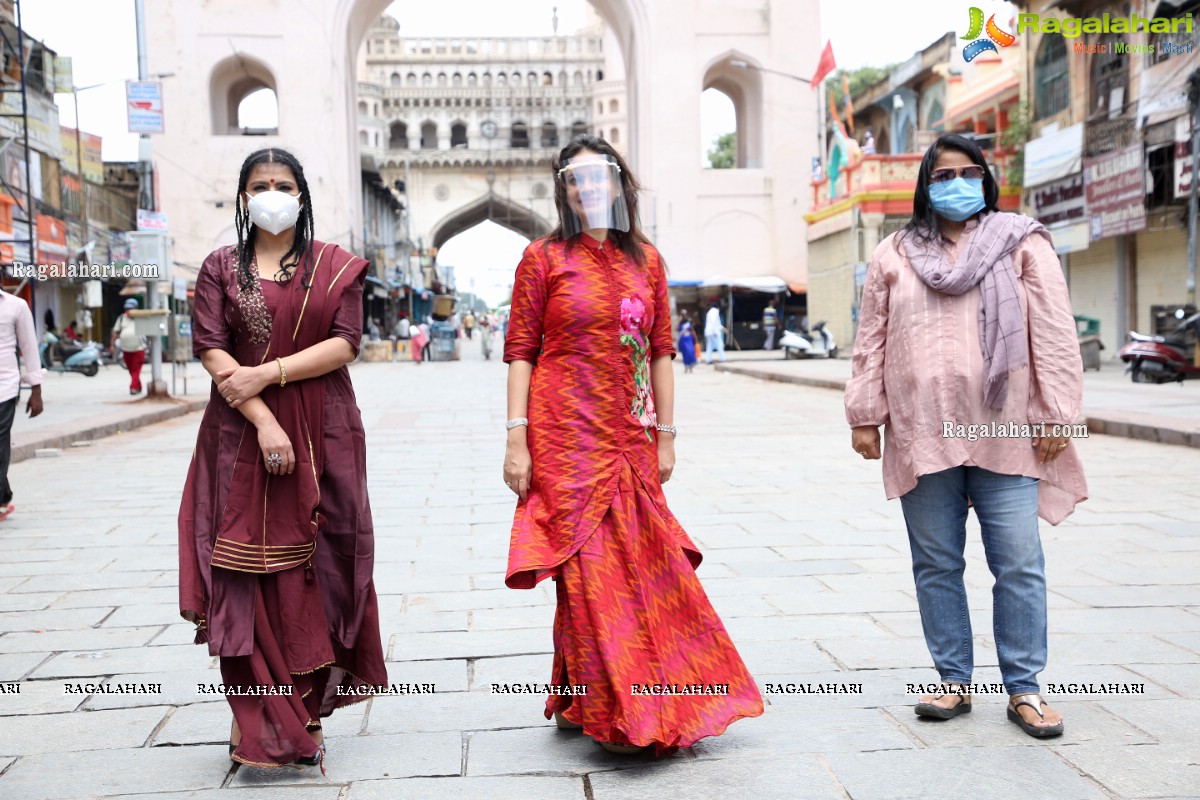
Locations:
(958, 199)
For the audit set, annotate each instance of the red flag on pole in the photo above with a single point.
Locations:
(825, 66)
(849, 102)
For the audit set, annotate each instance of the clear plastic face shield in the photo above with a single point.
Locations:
(594, 196)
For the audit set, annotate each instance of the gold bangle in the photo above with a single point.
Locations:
(282, 373)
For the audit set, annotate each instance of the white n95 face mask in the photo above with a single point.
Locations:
(274, 211)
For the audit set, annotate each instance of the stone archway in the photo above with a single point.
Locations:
(489, 207)
(667, 47)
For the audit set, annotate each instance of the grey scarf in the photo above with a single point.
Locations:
(986, 262)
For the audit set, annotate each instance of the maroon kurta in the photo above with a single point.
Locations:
(285, 621)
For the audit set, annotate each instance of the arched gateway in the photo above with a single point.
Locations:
(673, 50)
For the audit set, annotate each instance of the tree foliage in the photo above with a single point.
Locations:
(723, 152)
(861, 79)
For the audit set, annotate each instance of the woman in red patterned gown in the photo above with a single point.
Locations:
(590, 442)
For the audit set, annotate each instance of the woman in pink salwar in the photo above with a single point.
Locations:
(967, 353)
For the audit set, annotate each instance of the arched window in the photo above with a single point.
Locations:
(410, 79)
(520, 135)
(613, 136)
(577, 78)
(1051, 81)
(487, 79)
(578, 128)
(456, 79)
(516, 79)
(258, 113)
(501, 79)
(395, 80)
(547, 79)
(472, 79)
(532, 78)
(549, 134)
(732, 100)
(429, 136)
(458, 135)
(362, 107)
(375, 109)
(362, 138)
(441, 79)
(599, 107)
(613, 106)
(242, 94)
(562, 77)
(398, 136)
(1109, 84)
(426, 79)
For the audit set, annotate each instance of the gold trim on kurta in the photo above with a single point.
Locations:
(258, 559)
(304, 306)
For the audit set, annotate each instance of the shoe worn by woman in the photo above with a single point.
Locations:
(1034, 701)
(565, 724)
(932, 711)
(623, 749)
(313, 760)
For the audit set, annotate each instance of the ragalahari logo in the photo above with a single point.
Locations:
(979, 46)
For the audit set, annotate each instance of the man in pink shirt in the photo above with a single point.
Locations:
(16, 332)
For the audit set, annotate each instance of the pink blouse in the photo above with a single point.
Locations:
(918, 369)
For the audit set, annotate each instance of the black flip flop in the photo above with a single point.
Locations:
(932, 711)
(1036, 731)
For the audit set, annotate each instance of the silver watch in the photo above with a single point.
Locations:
(668, 429)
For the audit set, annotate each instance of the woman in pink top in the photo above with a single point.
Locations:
(967, 352)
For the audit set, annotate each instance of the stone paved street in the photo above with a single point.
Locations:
(804, 559)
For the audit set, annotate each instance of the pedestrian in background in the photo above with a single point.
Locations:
(687, 341)
(133, 346)
(16, 333)
(988, 288)
(420, 340)
(276, 543)
(591, 325)
(770, 322)
(469, 325)
(714, 333)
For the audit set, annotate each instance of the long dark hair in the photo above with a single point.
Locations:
(924, 224)
(247, 232)
(628, 242)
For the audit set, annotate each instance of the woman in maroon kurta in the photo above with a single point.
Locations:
(276, 543)
(590, 398)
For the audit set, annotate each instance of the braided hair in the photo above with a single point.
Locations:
(247, 231)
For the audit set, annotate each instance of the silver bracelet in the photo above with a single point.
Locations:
(516, 423)
(668, 429)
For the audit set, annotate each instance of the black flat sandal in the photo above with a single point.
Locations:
(1034, 701)
(931, 711)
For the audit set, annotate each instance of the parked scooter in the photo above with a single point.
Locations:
(818, 343)
(1163, 359)
(74, 356)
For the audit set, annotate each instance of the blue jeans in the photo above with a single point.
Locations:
(935, 512)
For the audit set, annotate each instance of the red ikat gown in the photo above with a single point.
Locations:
(631, 610)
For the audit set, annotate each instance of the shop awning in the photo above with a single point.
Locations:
(1054, 156)
(765, 283)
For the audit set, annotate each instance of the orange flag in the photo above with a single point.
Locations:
(849, 102)
(825, 66)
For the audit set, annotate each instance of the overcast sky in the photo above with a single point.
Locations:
(100, 37)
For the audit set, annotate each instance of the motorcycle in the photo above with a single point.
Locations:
(74, 357)
(1163, 359)
(818, 343)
